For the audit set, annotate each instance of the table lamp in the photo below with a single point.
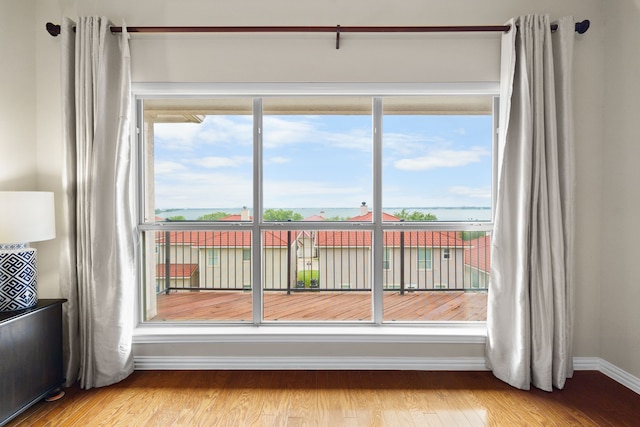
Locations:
(25, 216)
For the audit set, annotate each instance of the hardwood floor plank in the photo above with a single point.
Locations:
(336, 398)
(367, 407)
(303, 386)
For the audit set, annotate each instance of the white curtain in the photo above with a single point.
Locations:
(98, 256)
(530, 307)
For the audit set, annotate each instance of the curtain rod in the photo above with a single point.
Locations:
(580, 27)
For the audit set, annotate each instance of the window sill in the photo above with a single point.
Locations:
(437, 333)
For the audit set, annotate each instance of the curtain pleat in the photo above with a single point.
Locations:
(530, 309)
(98, 256)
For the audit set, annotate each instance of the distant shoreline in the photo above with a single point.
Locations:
(448, 213)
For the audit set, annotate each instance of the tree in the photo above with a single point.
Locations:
(470, 235)
(215, 216)
(415, 216)
(281, 215)
(337, 218)
(176, 218)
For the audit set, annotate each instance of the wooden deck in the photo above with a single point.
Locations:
(322, 306)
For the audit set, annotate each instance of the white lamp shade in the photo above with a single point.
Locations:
(26, 216)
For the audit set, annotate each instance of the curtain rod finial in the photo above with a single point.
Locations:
(582, 27)
(53, 29)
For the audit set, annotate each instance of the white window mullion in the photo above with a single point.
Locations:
(494, 163)
(378, 233)
(256, 255)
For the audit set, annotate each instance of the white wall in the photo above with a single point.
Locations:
(313, 57)
(620, 287)
(17, 96)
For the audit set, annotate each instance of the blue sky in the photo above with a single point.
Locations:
(324, 161)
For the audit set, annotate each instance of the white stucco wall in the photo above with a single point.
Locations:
(370, 58)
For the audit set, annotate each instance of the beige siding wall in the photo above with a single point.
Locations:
(275, 269)
(344, 268)
(224, 268)
(441, 273)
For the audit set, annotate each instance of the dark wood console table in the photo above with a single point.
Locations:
(30, 356)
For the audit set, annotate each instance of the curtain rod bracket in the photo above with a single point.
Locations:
(582, 27)
(53, 29)
(338, 37)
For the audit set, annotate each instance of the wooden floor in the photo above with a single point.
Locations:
(314, 306)
(336, 398)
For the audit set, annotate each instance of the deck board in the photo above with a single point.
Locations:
(322, 306)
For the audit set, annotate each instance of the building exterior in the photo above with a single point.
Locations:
(324, 260)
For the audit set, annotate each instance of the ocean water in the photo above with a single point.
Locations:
(442, 213)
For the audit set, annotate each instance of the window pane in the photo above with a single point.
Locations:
(436, 161)
(422, 284)
(201, 167)
(198, 275)
(317, 157)
(317, 275)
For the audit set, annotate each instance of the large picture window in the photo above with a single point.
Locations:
(300, 207)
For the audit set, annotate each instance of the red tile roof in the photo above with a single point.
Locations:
(214, 239)
(234, 217)
(478, 255)
(424, 238)
(176, 271)
(368, 217)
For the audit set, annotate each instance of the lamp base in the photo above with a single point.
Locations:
(18, 277)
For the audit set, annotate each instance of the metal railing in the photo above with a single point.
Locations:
(321, 260)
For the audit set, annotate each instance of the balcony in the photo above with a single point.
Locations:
(320, 275)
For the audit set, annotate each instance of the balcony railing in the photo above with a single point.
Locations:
(321, 260)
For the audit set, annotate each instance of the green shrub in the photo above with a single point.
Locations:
(306, 276)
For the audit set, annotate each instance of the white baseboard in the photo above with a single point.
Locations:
(359, 363)
(623, 377)
(320, 363)
(608, 369)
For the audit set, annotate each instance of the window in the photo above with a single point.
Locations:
(385, 259)
(213, 257)
(424, 259)
(296, 207)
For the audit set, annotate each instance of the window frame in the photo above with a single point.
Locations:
(257, 225)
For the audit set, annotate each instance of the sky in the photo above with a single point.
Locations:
(324, 161)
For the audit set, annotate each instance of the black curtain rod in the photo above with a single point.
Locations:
(580, 27)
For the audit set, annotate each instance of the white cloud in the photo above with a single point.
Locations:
(296, 188)
(189, 189)
(473, 192)
(175, 135)
(442, 159)
(213, 162)
(280, 132)
(237, 130)
(164, 167)
(312, 194)
(277, 160)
